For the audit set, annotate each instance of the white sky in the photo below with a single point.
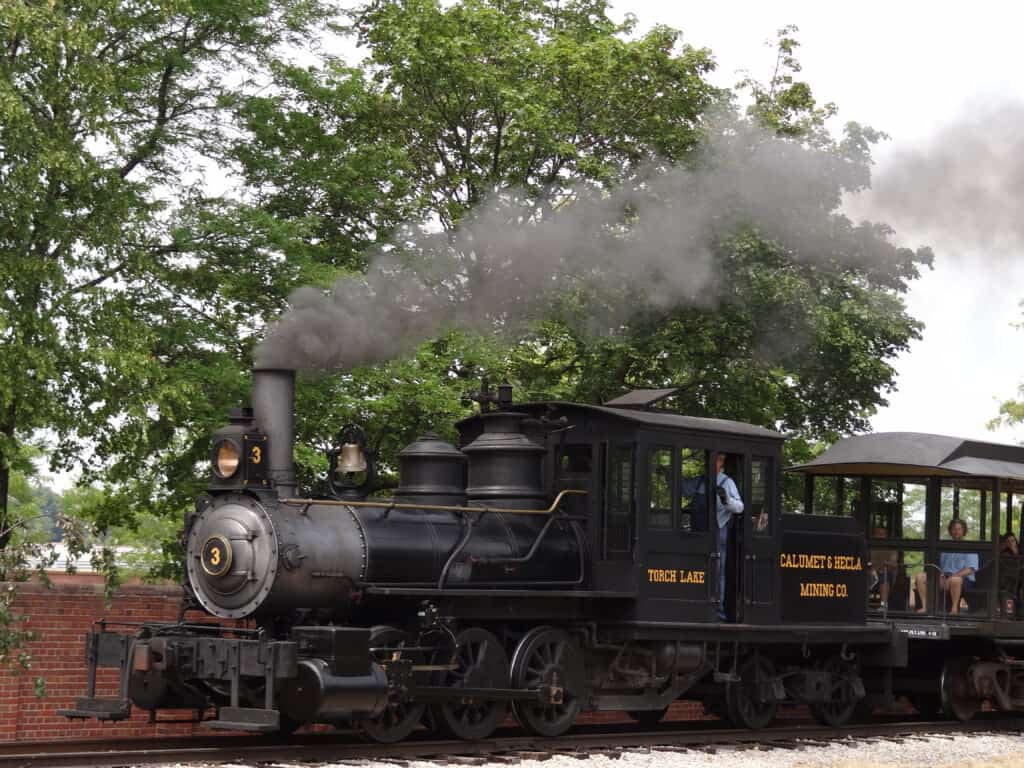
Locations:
(906, 68)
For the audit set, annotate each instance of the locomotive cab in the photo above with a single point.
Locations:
(652, 517)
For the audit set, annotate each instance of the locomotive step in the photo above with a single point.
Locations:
(246, 719)
(101, 709)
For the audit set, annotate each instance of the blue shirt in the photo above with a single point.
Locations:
(951, 562)
(733, 503)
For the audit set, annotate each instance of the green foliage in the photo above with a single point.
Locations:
(127, 298)
(108, 112)
(530, 95)
(35, 518)
(786, 104)
(1011, 412)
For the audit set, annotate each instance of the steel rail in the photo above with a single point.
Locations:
(338, 747)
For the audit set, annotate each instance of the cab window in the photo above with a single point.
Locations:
(896, 509)
(659, 511)
(836, 496)
(761, 479)
(618, 542)
(968, 503)
(693, 490)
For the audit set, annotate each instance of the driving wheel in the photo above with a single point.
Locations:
(749, 701)
(400, 716)
(481, 662)
(548, 661)
(841, 705)
(959, 699)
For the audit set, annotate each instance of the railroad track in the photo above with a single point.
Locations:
(508, 749)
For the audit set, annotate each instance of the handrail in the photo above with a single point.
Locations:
(389, 504)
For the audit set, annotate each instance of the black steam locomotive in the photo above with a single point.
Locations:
(564, 559)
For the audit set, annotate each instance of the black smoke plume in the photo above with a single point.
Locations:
(961, 189)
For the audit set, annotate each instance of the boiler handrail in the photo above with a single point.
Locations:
(388, 504)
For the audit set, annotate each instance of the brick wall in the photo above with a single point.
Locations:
(62, 615)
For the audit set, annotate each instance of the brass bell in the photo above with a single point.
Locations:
(352, 459)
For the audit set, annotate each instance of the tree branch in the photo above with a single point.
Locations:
(146, 148)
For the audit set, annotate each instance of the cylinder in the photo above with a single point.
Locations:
(273, 401)
(315, 694)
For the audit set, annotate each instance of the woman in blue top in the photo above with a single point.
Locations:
(957, 569)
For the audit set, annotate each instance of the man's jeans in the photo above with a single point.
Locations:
(723, 549)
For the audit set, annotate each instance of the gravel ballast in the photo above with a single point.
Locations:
(954, 751)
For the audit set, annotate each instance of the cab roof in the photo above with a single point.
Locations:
(660, 419)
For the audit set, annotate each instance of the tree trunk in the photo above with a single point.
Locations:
(5, 485)
(5, 482)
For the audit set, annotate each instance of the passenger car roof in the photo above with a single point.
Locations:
(914, 453)
(661, 419)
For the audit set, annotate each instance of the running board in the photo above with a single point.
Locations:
(102, 709)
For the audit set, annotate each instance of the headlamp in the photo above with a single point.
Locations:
(226, 459)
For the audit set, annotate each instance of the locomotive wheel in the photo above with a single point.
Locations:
(648, 718)
(547, 658)
(746, 707)
(400, 717)
(842, 704)
(959, 700)
(482, 663)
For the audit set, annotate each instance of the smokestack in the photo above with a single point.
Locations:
(273, 400)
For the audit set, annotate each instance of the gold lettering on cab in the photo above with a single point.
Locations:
(820, 562)
(823, 589)
(812, 562)
(674, 576)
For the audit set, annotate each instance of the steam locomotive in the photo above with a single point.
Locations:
(564, 559)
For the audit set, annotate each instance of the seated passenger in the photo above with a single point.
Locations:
(957, 571)
(1008, 546)
(884, 567)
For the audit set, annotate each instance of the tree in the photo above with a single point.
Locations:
(548, 103)
(807, 319)
(531, 95)
(528, 97)
(107, 109)
(769, 346)
(1011, 412)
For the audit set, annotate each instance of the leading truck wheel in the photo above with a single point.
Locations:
(401, 716)
(749, 700)
(480, 662)
(546, 659)
(843, 701)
